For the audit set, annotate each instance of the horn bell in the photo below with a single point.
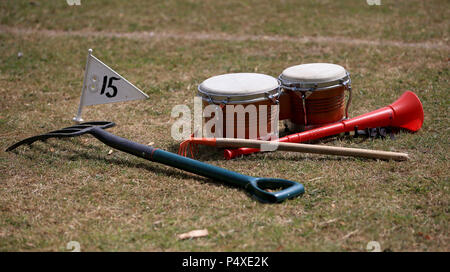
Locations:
(408, 112)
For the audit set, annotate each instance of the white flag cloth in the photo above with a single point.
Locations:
(103, 85)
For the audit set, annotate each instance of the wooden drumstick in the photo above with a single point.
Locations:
(309, 148)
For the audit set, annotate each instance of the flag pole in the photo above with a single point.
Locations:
(78, 118)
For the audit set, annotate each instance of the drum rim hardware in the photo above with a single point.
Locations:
(314, 86)
(218, 99)
(240, 99)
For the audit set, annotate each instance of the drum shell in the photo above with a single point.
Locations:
(322, 107)
(285, 106)
(249, 120)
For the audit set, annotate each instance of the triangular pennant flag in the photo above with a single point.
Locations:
(103, 85)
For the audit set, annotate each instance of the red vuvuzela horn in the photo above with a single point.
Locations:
(406, 112)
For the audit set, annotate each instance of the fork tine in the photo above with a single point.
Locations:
(180, 149)
(190, 150)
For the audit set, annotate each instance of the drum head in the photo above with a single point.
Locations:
(314, 73)
(239, 87)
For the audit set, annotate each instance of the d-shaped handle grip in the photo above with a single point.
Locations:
(258, 187)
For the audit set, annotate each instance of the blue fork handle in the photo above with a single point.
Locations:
(255, 186)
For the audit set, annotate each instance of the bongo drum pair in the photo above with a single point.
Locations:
(305, 96)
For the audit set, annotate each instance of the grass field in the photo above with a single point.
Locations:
(73, 190)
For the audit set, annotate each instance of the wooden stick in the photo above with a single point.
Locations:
(309, 148)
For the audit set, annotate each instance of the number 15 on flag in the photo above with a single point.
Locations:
(103, 85)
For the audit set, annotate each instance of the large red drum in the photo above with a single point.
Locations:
(317, 94)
